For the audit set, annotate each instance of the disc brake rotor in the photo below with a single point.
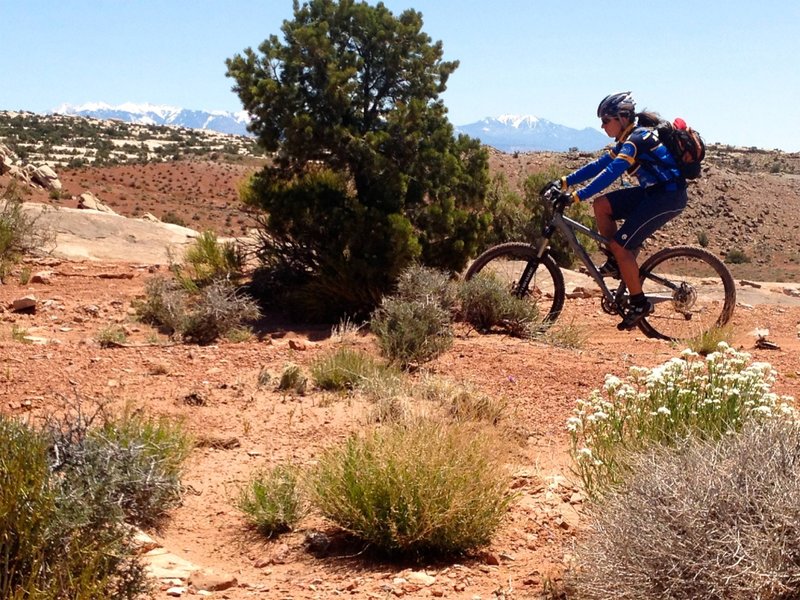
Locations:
(684, 298)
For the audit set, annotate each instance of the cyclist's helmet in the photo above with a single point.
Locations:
(620, 104)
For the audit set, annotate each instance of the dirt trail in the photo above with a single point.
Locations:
(539, 382)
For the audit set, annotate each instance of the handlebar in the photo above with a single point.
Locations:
(556, 198)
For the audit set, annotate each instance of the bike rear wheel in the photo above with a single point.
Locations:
(508, 262)
(692, 292)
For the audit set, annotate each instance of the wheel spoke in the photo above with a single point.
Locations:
(692, 293)
(508, 262)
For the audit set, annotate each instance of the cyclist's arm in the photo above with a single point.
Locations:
(587, 171)
(614, 168)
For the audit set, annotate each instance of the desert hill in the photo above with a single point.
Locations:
(745, 207)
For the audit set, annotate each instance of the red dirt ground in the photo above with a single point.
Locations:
(215, 390)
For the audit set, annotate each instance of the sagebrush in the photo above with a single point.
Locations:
(710, 519)
(67, 493)
(423, 487)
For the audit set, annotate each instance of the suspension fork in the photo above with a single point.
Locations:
(530, 268)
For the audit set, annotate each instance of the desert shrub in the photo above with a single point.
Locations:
(202, 316)
(708, 341)
(422, 487)
(343, 369)
(702, 238)
(418, 283)
(20, 233)
(460, 401)
(111, 336)
(565, 334)
(711, 519)
(208, 260)
(63, 534)
(481, 301)
(736, 256)
(685, 396)
(174, 219)
(128, 462)
(486, 303)
(164, 304)
(293, 380)
(271, 500)
(143, 461)
(217, 310)
(411, 332)
(345, 330)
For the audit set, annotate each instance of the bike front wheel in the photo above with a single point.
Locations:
(692, 293)
(525, 275)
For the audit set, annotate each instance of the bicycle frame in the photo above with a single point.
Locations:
(569, 228)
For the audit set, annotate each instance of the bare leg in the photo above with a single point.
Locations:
(607, 226)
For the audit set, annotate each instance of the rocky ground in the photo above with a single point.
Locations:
(52, 358)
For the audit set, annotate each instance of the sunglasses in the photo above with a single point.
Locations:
(607, 120)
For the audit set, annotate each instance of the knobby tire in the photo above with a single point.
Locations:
(508, 262)
(705, 298)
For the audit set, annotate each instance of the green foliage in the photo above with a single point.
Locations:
(423, 487)
(702, 239)
(486, 303)
(712, 519)
(293, 380)
(202, 316)
(111, 336)
(20, 233)
(411, 332)
(207, 260)
(512, 218)
(369, 175)
(736, 256)
(271, 500)
(685, 396)
(66, 493)
(541, 213)
(343, 369)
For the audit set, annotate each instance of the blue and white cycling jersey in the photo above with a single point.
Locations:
(639, 152)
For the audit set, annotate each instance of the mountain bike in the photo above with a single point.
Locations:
(691, 290)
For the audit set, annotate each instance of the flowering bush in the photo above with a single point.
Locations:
(685, 396)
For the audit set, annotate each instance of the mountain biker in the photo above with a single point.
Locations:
(659, 197)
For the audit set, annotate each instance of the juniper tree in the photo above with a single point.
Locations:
(368, 175)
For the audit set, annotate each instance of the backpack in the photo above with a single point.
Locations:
(684, 144)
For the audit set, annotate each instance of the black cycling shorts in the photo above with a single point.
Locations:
(644, 211)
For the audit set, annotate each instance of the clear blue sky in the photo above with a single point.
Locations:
(731, 68)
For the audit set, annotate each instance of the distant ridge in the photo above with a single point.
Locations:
(525, 133)
(234, 123)
(508, 133)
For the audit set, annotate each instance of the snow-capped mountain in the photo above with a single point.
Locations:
(511, 133)
(508, 133)
(158, 114)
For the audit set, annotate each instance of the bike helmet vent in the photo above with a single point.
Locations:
(615, 105)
